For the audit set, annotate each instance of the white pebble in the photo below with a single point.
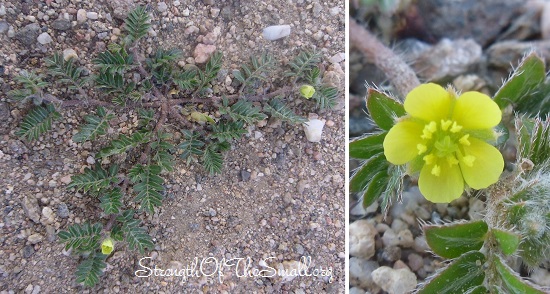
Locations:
(397, 281)
(92, 15)
(81, 16)
(44, 38)
(273, 33)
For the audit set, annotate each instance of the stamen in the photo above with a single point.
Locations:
(428, 130)
(468, 160)
(451, 159)
(464, 140)
(455, 128)
(429, 159)
(445, 124)
(436, 170)
(421, 148)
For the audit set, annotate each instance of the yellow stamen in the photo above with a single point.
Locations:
(421, 148)
(445, 124)
(429, 159)
(468, 160)
(428, 130)
(436, 170)
(464, 140)
(455, 128)
(451, 159)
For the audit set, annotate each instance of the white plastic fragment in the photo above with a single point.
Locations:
(273, 33)
(314, 130)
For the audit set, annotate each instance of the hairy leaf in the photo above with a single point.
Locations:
(94, 180)
(111, 201)
(37, 121)
(96, 126)
(137, 237)
(114, 62)
(81, 237)
(186, 80)
(211, 70)
(191, 145)
(302, 64)
(453, 240)
(137, 23)
(279, 110)
(227, 131)
(124, 143)
(212, 159)
(148, 185)
(242, 110)
(66, 72)
(258, 70)
(326, 97)
(89, 270)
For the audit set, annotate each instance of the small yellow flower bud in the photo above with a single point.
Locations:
(307, 91)
(107, 246)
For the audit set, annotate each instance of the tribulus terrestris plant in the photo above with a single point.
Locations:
(451, 143)
(128, 176)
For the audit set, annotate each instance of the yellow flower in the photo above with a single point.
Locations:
(444, 137)
(107, 246)
(307, 91)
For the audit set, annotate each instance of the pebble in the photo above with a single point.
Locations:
(90, 160)
(314, 130)
(541, 277)
(44, 38)
(202, 52)
(62, 210)
(245, 175)
(273, 33)
(61, 24)
(361, 239)
(360, 271)
(30, 207)
(35, 238)
(2, 10)
(415, 261)
(81, 16)
(69, 53)
(394, 281)
(162, 7)
(477, 209)
(28, 251)
(48, 215)
(92, 15)
(28, 34)
(317, 8)
(4, 26)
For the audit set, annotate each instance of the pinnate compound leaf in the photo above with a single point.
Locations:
(124, 143)
(90, 269)
(137, 237)
(148, 185)
(191, 145)
(94, 180)
(326, 97)
(383, 109)
(212, 159)
(81, 237)
(463, 274)
(279, 110)
(95, 126)
(37, 121)
(137, 23)
(227, 131)
(111, 201)
(511, 281)
(368, 146)
(242, 110)
(451, 241)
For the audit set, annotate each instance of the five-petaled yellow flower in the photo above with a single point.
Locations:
(107, 246)
(445, 138)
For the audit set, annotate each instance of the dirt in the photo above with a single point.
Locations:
(279, 198)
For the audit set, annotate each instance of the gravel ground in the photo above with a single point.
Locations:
(279, 196)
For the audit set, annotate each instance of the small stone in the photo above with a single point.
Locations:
(81, 16)
(36, 289)
(50, 232)
(48, 216)
(199, 187)
(415, 261)
(44, 38)
(405, 238)
(90, 160)
(337, 58)
(28, 34)
(273, 33)
(214, 12)
(390, 238)
(61, 24)
(4, 26)
(2, 10)
(35, 238)
(62, 210)
(394, 281)
(66, 179)
(361, 239)
(30, 207)
(202, 52)
(317, 8)
(162, 7)
(314, 130)
(69, 53)
(28, 251)
(92, 15)
(360, 271)
(245, 175)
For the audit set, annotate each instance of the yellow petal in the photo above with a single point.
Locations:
(442, 188)
(400, 144)
(475, 110)
(487, 166)
(429, 102)
(107, 246)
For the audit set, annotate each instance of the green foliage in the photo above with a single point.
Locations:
(96, 126)
(279, 110)
(124, 143)
(65, 72)
(191, 145)
(453, 240)
(113, 62)
(137, 23)
(32, 88)
(512, 282)
(383, 109)
(211, 70)
(460, 276)
(94, 180)
(186, 80)
(111, 201)
(148, 185)
(136, 237)
(227, 131)
(257, 71)
(242, 110)
(212, 158)
(326, 97)
(81, 238)
(162, 152)
(37, 121)
(302, 64)
(89, 270)
(367, 146)
(507, 241)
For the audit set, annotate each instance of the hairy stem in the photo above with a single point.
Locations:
(398, 72)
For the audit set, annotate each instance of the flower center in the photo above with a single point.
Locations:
(444, 143)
